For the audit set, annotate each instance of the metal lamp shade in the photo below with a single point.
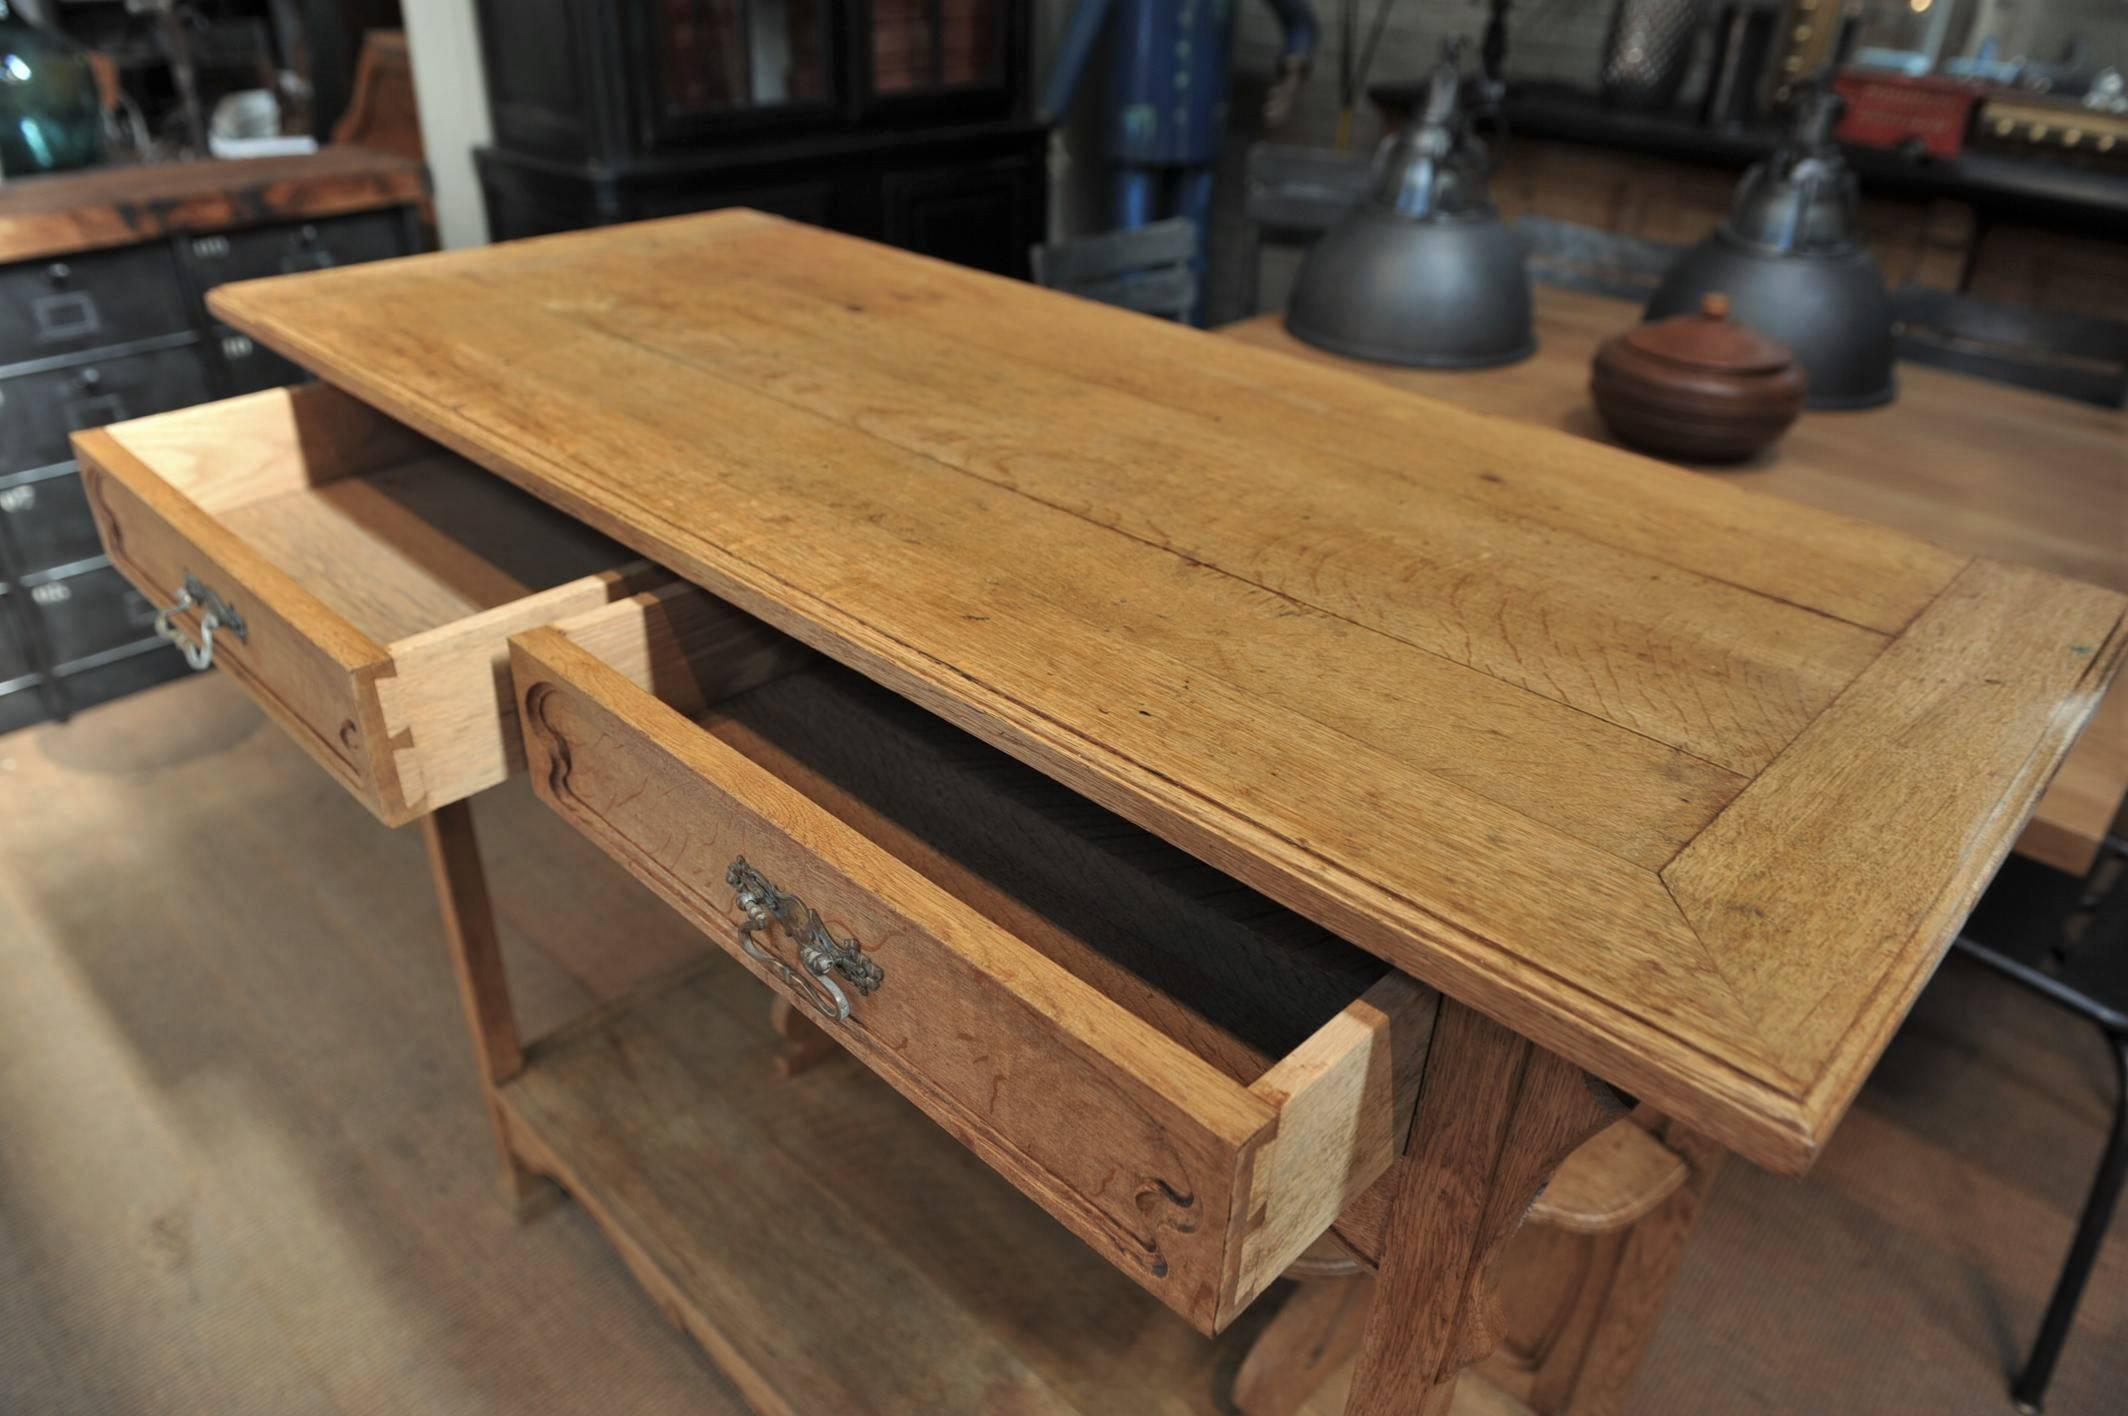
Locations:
(1421, 272)
(1831, 310)
(1791, 261)
(1442, 292)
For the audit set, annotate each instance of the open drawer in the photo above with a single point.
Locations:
(363, 582)
(1192, 1078)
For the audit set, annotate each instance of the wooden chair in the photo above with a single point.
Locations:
(2067, 941)
(1147, 269)
(382, 114)
(2070, 356)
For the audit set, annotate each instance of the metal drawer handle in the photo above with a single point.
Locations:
(820, 954)
(216, 615)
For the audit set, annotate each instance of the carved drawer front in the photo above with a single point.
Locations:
(360, 582)
(1192, 1079)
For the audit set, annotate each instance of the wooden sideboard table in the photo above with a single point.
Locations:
(1240, 833)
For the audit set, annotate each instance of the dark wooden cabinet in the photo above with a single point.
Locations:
(902, 120)
(102, 318)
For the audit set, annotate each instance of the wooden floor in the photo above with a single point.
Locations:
(243, 1166)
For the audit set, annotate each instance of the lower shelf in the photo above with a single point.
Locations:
(830, 1247)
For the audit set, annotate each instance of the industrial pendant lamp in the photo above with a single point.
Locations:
(1791, 262)
(1422, 271)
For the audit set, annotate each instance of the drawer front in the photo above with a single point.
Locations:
(1137, 1144)
(22, 706)
(85, 613)
(38, 411)
(15, 658)
(251, 366)
(89, 300)
(45, 521)
(158, 538)
(410, 709)
(296, 246)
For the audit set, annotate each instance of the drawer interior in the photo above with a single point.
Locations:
(1233, 976)
(391, 532)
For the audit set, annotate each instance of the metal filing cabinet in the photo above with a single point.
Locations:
(97, 337)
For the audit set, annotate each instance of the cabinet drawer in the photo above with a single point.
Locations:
(89, 300)
(251, 366)
(296, 246)
(89, 611)
(44, 518)
(14, 645)
(39, 410)
(1194, 1080)
(118, 673)
(377, 578)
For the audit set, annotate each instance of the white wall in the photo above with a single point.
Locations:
(451, 91)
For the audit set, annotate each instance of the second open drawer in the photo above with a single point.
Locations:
(1192, 1078)
(362, 580)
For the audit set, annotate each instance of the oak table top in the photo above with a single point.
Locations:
(1688, 786)
(1979, 467)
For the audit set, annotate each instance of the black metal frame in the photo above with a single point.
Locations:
(2083, 357)
(2104, 904)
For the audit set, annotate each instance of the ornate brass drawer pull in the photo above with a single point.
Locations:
(820, 954)
(215, 614)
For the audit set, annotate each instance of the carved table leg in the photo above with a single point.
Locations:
(476, 960)
(805, 1044)
(1618, 1290)
(1496, 1116)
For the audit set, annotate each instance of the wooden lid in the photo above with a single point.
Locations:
(1707, 340)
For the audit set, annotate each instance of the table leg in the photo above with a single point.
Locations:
(1496, 1116)
(476, 959)
(805, 1044)
(1583, 1308)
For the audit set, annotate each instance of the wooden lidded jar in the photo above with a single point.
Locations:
(1696, 387)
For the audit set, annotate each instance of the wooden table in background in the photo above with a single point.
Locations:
(1971, 465)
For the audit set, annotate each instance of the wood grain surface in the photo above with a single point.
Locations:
(1457, 688)
(116, 206)
(1979, 467)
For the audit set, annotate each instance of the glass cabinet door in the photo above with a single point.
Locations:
(716, 56)
(922, 45)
